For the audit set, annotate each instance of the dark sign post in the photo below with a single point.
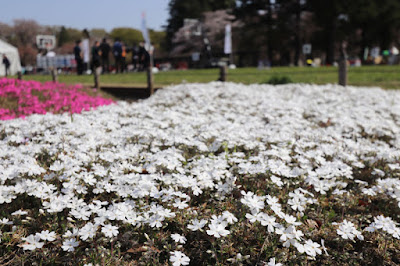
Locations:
(150, 79)
(222, 72)
(96, 77)
(149, 48)
(54, 74)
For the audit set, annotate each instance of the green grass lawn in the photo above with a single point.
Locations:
(387, 77)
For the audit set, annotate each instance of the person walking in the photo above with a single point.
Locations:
(105, 49)
(78, 57)
(95, 55)
(144, 57)
(135, 57)
(6, 64)
(117, 52)
(85, 46)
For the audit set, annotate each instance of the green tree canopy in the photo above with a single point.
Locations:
(63, 37)
(98, 33)
(158, 40)
(128, 35)
(74, 34)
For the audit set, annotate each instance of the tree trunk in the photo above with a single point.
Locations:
(364, 42)
(297, 42)
(269, 37)
(330, 48)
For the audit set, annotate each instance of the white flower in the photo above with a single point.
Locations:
(70, 244)
(273, 202)
(296, 204)
(32, 242)
(197, 225)
(178, 258)
(229, 217)
(371, 228)
(5, 221)
(253, 217)
(109, 230)
(386, 224)
(217, 229)
(69, 234)
(180, 204)
(253, 201)
(19, 212)
(339, 192)
(347, 230)
(178, 238)
(369, 191)
(272, 262)
(276, 180)
(378, 172)
(291, 220)
(312, 248)
(238, 258)
(268, 221)
(156, 220)
(290, 236)
(299, 247)
(46, 235)
(321, 187)
(88, 231)
(323, 247)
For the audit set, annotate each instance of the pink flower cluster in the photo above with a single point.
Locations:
(39, 98)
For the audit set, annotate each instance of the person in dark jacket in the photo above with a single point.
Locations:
(78, 57)
(6, 64)
(96, 55)
(144, 57)
(105, 49)
(117, 52)
(135, 57)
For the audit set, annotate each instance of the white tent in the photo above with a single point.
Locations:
(13, 56)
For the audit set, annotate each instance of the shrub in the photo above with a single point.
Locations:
(275, 80)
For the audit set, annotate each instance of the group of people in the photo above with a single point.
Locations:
(100, 56)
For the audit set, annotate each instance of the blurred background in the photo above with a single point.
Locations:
(201, 34)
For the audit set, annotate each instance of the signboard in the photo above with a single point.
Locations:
(189, 22)
(193, 25)
(307, 48)
(46, 41)
(228, 39)
(195, 57)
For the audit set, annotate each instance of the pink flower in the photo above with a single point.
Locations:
(39, 98)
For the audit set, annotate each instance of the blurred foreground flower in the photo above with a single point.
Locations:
(178, 258)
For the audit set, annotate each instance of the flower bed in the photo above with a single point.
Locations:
(207, 174)
(22, 98)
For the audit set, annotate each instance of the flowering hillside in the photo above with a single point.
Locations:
(207, 174)
(20, 98)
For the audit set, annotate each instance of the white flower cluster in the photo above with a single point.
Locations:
(347, 230)
(145, 163)
(389, 186)
(218, 224)
(386, 224)
(289, 235)
(32, 242)
(178, 258)
(298, 200)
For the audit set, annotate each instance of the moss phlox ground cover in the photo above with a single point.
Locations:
(207, 174)
(32, 97)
